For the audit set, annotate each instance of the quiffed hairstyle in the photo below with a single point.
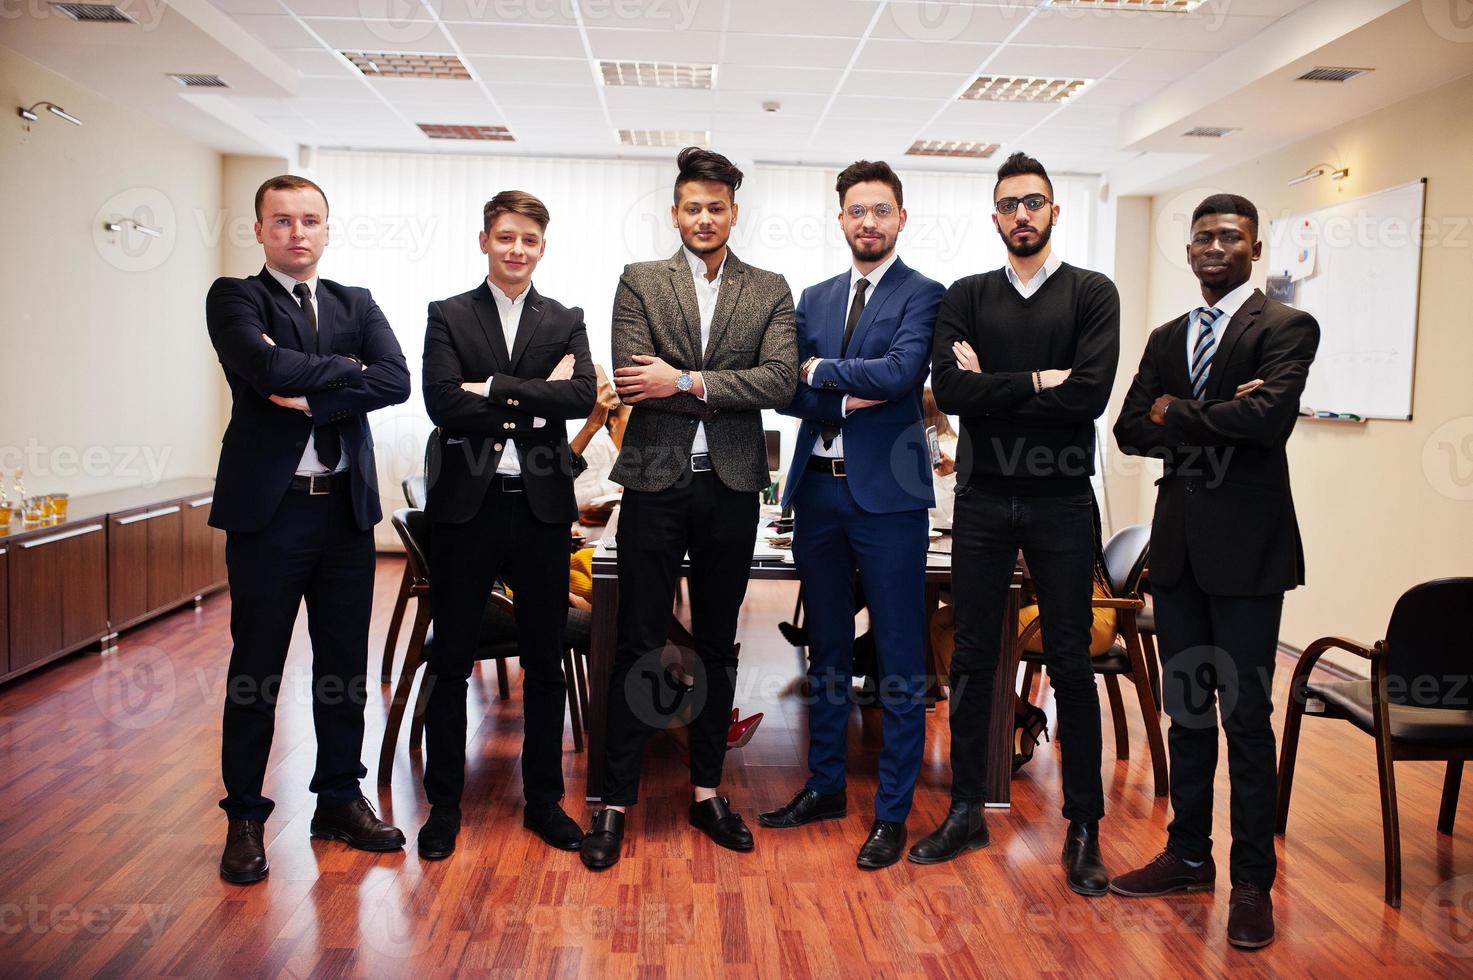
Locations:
(287, 182)
(1018, 164)
(1227, 204)
(865, 170)
(696, 163)
(516, 202)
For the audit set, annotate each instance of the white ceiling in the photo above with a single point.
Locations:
(855, 78)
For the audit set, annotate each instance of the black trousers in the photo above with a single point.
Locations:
(1217, 657)
(502, 541)
(312, 549)
(717, 526)
(1056, 535)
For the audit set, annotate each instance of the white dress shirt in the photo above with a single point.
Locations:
(1027, 289)
(836, 449)
(510, 311)
(310, 464)
(1229, 305)
(706, 296)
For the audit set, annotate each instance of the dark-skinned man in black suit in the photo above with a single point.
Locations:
(1216, 398)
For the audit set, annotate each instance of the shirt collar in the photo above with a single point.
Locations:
(698, 266)
(1049, 267)
(289, 284)
(501, 297)
(1233, 301)
(874, 277)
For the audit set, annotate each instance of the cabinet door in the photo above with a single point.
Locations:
(199, 547)
(127, 567)
(4, 611)
(165, 556)
(83, 561)
(38, 585)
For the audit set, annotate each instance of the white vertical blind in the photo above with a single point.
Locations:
(405, 225)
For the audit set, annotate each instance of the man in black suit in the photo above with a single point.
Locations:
(504, 367)
(297, 495)
(1216, 398)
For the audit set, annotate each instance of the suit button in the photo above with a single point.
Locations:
(497, 447)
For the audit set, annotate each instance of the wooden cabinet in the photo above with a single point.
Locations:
(127, 569)
(204, 548)
(165, 557)
(4, 611)
(58, 593)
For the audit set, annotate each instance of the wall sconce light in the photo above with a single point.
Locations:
(142, 229)
(29, 115)
(1319, 170)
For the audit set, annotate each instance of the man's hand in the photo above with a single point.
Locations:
(563, 370)
(946, 467)
(299, 402)
(855, 403)
(1158, 408)
(1247, 387)
(1052, 378)
(650, 378)
(966, 358)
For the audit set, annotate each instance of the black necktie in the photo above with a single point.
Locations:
(324, 437)
(829, 431)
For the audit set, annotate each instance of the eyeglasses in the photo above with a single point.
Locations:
(881, 211)
(1033, 202)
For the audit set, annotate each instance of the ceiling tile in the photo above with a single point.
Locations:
(278, 31)
(701, 47)
(375, 35)
(932, 21)
(901, 84)
(847, 18)
(494, 69)
(933, 56)
(1056, 61)
(776, 49)
(492, 39)
(546, 96)
(745, 78)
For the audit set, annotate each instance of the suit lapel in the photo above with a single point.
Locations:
(726, 302)
(1181, 372)
(287, 304)
(832, 325)
(327, 310)
(1240, 322)
(526, 326)
(685, 296)
(891, 282)
(490, 319)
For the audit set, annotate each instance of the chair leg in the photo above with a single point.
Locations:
(1150, 716)
(1117, 715)
(574, 714)
(1288, 754)
(1450, 786)
(386, 673)
(582, 677)
(1390, 823)
(1153, 665)
(401, 692)
(503, 689)
(1030, 673)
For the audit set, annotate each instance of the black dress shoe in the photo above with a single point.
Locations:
(600, 847)
(1250, 917)
(795, 635)
(714, 818)
(549, 822)
(244, 860)
(964, 829)
(1166, 873)
(437, 836)
(1081, 858)
(806, 807)
(883, 847)
(356, 825)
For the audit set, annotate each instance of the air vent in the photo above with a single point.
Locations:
(189, 80)
(1211, 132)
(93, 13)
(1164, 6)
(951, 148)
(380, 64)
(445, 131)
(657, 74)
(1000, 88)
(663, 137)
(1321, 73)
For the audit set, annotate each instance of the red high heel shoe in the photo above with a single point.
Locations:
(741, 731)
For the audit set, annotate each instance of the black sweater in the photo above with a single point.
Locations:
(1012, 440)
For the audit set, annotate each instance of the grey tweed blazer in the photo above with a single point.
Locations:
(750, 363)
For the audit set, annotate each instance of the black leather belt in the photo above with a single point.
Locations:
(700, 462)
(320, 485)
(507, 484)
(825, 464)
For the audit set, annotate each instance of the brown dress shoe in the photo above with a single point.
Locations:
(1166, 873)
(1250, 917)
(356, 825)
(244, 860)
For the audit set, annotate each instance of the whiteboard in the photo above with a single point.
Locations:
(1361, 264)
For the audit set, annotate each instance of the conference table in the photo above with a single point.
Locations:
(769, 564)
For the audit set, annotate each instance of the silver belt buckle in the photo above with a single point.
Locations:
(836, 467)
(700, 462)
(312, 490)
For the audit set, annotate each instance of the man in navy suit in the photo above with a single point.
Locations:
(297, 496)
(860, 486)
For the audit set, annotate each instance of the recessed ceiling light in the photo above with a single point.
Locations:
(951, 148)
(381, 64)
(657, 74)
(450, 131)
(1211, 132)
(1321, 73)
(1002, 88)
(94, 13)
(663, 137)
(194, 80)
(1166, 6)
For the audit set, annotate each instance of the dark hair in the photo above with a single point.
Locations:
(697, 163)
(1018, 164)
(515, 202)
(1227, 204)
(865, 170)
(287, 182)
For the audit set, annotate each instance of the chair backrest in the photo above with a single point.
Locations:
(1125, 558)
(1428, 645)
(414, 491)
(414, 531)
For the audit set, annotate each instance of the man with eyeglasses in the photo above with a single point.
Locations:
(1026, 356)
(860, 486)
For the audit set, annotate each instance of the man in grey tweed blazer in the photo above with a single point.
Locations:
(702, 343)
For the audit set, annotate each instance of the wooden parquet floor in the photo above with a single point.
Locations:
(110, 836)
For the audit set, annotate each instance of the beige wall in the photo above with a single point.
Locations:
(1385, 504)
(108, 377)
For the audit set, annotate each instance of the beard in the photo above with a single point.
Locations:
(872, 253)
(1022, 250)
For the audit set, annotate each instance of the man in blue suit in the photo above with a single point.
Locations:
(860, 486)
(297, 496)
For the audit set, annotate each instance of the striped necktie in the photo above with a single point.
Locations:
(1206, 345)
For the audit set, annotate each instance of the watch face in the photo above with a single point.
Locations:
(684, 382)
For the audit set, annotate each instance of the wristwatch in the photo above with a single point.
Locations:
(685, 382)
